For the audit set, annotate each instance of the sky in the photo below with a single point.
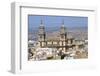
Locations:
(56, 21)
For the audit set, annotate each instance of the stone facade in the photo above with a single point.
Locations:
(61, 43)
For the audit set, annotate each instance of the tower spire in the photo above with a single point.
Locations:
(63, 23)
(41, 22)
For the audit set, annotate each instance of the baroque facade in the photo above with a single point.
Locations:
(63, 42)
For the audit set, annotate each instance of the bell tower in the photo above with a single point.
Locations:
(63, 36)
(41, 35)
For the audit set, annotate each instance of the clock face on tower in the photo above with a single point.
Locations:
(57, 37)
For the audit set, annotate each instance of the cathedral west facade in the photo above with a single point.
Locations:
(63, 42)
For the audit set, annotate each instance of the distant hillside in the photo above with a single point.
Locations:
(76, 32)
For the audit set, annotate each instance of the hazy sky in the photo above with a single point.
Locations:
(56, 21)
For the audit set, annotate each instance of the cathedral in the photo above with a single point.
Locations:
(63, 42)
(56, 47)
